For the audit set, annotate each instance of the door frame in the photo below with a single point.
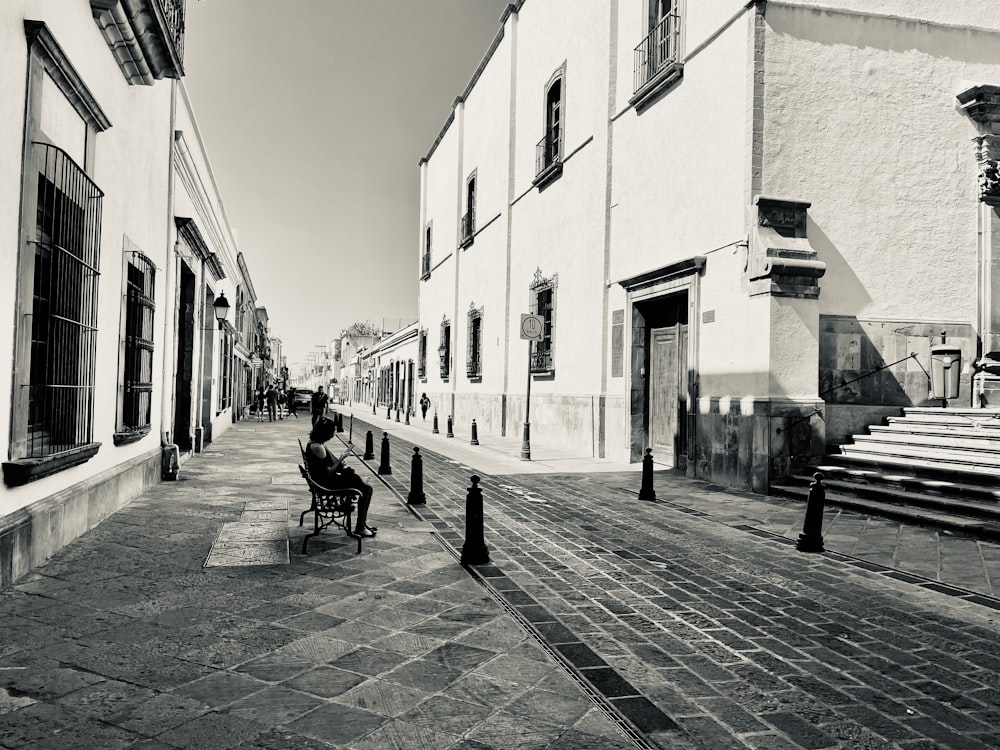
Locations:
(681, 277)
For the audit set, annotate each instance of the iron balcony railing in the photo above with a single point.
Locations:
(549, 150)
(468, 227)
(657, 51)
(425, 265)
(541, 361)
(173, 13)
(474, 366)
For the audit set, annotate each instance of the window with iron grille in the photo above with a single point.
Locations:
(543, 302)
(444, 350)
(225, 369)
(657, 57)
(549, 151)
(425, 261)
(473, 363)
(468, 228)
(58, 269)
(422, 354)
(66, 253)
(135, 379)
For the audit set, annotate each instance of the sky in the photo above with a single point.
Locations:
(315, 114)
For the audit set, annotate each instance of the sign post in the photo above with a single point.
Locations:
(532, 329)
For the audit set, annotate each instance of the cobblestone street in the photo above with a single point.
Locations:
(601, 622)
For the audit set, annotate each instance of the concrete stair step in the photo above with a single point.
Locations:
(974, 460)
(951, 484)
(915, 466)
(944, 440)
(989, 425)
(980, 528)
(900, 490)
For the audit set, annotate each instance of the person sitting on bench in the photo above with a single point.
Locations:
(330, 472)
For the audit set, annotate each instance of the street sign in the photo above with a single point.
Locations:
(532, 327)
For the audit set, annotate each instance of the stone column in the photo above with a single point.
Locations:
(982, 105)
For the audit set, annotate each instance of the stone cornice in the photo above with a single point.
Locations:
(61, 70)
(981, 103)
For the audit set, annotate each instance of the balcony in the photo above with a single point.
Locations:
(541, 361)
(548, 158)
(474, 366)
(657, 61)
(468, 228)
(145, 36)
(425, 267)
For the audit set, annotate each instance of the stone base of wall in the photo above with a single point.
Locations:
(31, 535)
(748, 443)
(845, 420)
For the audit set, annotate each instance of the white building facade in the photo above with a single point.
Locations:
(120, 255)
(737, 220)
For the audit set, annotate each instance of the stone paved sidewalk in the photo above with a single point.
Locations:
(125, 640)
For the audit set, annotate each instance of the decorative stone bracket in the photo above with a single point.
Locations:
(988, 157)
(982, 104)
(780, 261)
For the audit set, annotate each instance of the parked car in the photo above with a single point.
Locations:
(303, 398)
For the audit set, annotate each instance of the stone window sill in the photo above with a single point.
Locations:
(126, 438)
(23, 470)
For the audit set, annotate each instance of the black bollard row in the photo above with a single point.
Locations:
(369, 446)
(383, 467)
(416, 496)
(474, 550)
(475, 434)
(450, 433)
(434, 430)
(646, 492)
(811, 538)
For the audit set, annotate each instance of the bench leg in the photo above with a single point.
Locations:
(316, 530)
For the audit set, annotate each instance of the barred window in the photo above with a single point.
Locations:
(422, 354)
(66, 254)
(543, 302)
(444, 350)
(136, 354)
(225, 369)
(474, 364)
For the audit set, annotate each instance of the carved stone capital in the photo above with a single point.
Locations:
(981, 103)
(780, 260)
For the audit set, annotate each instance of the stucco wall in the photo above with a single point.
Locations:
(881, 152)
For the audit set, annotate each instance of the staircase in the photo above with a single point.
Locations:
(931, 467)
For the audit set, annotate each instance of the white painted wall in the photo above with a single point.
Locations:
(131, 165)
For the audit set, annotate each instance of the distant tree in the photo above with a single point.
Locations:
(366, 328)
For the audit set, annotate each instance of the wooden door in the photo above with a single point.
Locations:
(668, 394)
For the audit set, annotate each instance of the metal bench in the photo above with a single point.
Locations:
(329, 507)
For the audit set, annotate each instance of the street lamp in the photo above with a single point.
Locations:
(221, 306)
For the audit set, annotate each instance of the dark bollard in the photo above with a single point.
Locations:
(388, 412)
(811, 538)
(407, 415)
(369, 447)
(350, 432)
(450, 433)
(416, 496)
(340, 421)
(373, 408)
(383, 467)
(646, 492)
(397, 413)
(475, 434)
(474, 550)
(434, 430)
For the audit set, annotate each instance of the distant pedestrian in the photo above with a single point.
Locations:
(319, 404)
(425, 404)
(271, 394)
(290, 402)
(258, 402)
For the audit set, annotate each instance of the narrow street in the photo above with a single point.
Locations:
(601, 622)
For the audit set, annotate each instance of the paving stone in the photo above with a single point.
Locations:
(338, 724)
